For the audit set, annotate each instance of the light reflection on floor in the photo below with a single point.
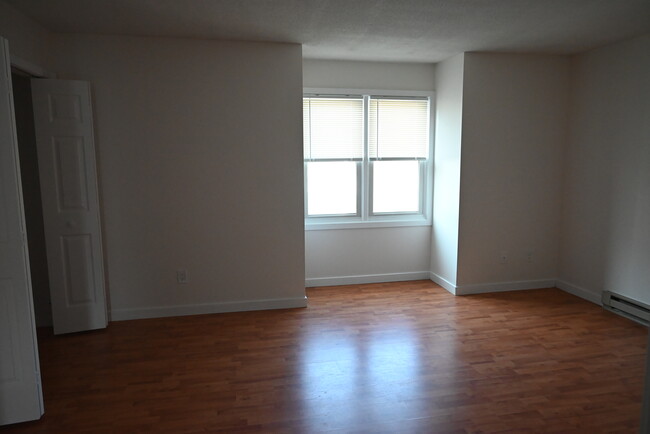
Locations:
(366, 378)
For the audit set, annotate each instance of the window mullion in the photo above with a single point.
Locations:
(423, 185)
(365, 166)
(305, 177)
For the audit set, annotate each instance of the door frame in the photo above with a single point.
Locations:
(29, 70)
(34, 70)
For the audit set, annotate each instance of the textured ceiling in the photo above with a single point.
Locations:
(389, 30)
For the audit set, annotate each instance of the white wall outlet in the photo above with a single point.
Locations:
(181, 276)
(503, 258)
(529, 257)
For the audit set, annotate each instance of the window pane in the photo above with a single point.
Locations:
(396, 186)
(398, 128)
(331, 188)
(333, 128)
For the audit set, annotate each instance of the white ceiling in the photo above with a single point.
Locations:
(388, 30)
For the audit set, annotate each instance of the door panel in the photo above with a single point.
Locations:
(66, 159)
(9, 360)
(71, 184)
(78, 264)
(20, 389)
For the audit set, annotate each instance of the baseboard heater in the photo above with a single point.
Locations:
(627, 307)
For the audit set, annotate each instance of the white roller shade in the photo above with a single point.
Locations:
(333, 128)
(398, 128)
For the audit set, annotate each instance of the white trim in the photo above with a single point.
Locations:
(366, 278)
(30, 68)
(578, 291)
(201, 309)
(331, 91)
(519, 285)
(322, 226)
(481, 288)
(365, 219)
(365, 196)
(442, 282)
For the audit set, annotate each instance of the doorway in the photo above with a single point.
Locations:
(29, 173)
(45, 129)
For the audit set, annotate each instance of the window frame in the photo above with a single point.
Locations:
(364, 217)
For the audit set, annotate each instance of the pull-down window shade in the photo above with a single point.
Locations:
(333, 128)
(398, 128)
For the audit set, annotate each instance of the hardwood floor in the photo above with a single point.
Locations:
(394, 358)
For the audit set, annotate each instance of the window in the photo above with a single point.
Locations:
(367, 159)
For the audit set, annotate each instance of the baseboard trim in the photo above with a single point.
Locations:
(442, 282)
(579, 291)
(201, 309)
(520, 285)
(365, 278)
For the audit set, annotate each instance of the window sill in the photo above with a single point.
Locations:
(357, 224)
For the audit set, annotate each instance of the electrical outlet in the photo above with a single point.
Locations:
(181, 276)
(529, 257)
(503, 258)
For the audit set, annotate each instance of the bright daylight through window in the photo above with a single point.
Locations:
(366, 159)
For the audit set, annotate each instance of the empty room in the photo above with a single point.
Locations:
(419, 216)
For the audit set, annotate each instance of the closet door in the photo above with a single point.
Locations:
(20, 388)
(66, 158)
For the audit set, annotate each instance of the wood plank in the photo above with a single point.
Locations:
(395, 357)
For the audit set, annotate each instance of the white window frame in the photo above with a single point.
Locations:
(364, 219)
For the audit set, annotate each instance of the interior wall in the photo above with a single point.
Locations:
(368, 75)
(199, 147)
(605, 233)
(447, 170)
(374, 254)
(513, 138)
(30, 180)
(27, 39)
(370, 254)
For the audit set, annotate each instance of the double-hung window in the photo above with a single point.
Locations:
(367, 158)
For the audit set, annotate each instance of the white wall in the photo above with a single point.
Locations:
(366, 255)
(28, 42)
(368, 75)
(200, 165)
(513, 138)
(606, 229)
(27, 39)
(373, 254)
(446, 183)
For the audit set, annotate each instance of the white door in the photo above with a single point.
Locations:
(66, 159)
(20, 388)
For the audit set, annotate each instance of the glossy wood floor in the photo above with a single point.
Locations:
(393, 358)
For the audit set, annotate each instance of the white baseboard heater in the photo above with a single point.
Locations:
(627, 307)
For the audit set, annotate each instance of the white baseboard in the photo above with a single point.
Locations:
(520, 285)
(298, 302)
(200, 309)
(578, 291)
(366, 278)
(442, 282)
